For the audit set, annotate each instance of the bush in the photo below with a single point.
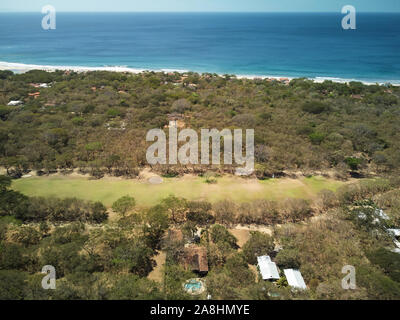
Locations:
(259, 244)
(353, 163)
(220, 235)
(113, 113)
(288, 259)
(315, 107)
(65, 210)
(388, 261)
(124, 205)
(78, 121)
(316, 138)
(225, 212)
(12, 285)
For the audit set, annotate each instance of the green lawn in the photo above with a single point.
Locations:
(192, 188)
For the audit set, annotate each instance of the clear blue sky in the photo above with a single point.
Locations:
(201, 5)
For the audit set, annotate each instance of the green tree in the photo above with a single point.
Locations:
(131, 287)
(98, 212)
(124, 205)
(176, 208)
(11, 256)
(288, 258)
(155, 223)
(199, 212)
(259, 244)
(5, 183)
(135, 257)
(353, 163)
(12, 285)
(220, 235)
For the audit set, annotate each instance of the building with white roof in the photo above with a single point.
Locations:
(382, 214)
(14, 103)
(268, 269)
(295, 279)
(394, 232)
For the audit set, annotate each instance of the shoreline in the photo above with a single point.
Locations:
(22, 68)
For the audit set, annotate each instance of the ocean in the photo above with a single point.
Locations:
(311, 45)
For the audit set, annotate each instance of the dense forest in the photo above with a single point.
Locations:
(97, 122)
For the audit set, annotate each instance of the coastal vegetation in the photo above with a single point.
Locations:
(97, 122)
(324, 194)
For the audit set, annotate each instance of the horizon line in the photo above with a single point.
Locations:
(100, 11)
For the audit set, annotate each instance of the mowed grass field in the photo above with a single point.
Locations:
(107, 190)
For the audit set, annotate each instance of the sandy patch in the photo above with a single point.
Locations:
(146, 174)
(155, 180)
(253, 227)
(241, 235)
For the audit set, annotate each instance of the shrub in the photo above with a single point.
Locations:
(124, 205)
(259, 244)
(316, 138)
(353, 163)
(315, 107)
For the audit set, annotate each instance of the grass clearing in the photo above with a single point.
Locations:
(107, 190)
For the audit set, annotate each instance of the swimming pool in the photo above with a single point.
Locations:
(194, 286)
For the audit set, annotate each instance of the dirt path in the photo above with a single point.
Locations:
(157, 274)
(253, 227)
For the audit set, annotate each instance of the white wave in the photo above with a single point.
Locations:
(21, 67)
(174, 70)
(344, 80)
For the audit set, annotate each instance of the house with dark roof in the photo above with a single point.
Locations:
(195, 259)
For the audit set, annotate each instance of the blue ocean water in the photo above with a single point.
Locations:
(276, 44)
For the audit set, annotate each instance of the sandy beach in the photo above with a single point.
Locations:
(21, 68)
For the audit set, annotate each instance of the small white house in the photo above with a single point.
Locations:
(396, 250)
(15, 103)
(173, 124)
(382, 214)
(295, 279)
(268, 269)
(394, 232)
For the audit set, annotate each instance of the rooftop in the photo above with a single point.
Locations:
(395, 232)
(295, 279)
(195, 258)
(268, 269)
(14, 103)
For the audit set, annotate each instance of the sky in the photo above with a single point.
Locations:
(201, 5)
